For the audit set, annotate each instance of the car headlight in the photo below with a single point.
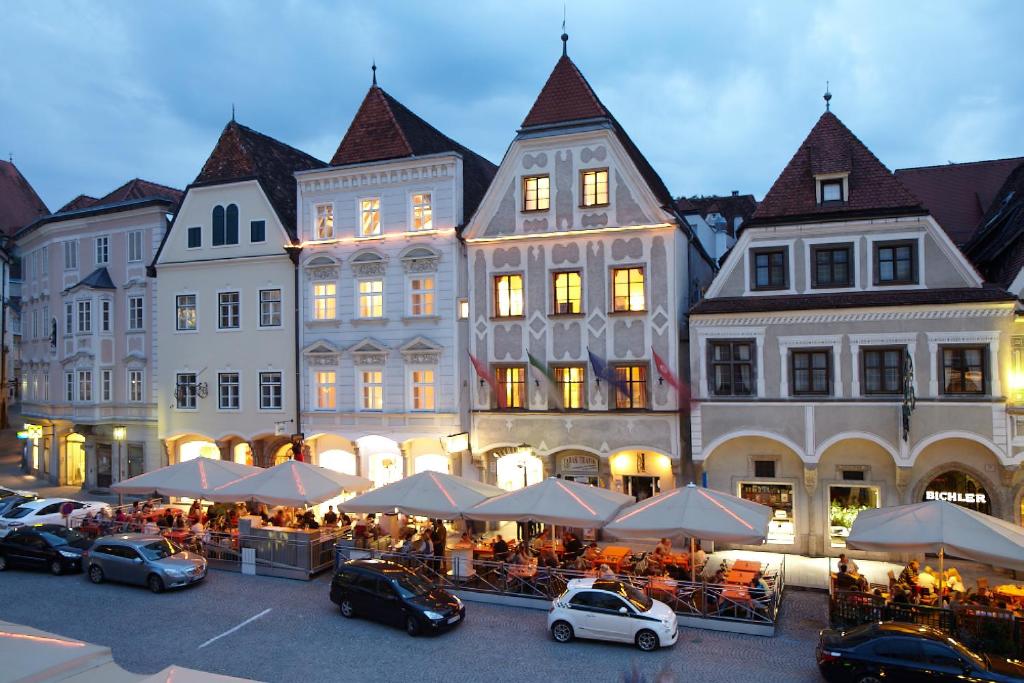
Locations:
(458, 601)
(433, 616)
(65, 553)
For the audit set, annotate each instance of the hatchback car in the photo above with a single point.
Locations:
(143, 559)
(605, 609)
(893, 651)
(392, 594)
(43, 546)
(46, 511)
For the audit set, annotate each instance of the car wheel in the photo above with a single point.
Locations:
(647, 640)
(869, 678)
(3, 563)
(95, 574)
(412, 626)
(348, 610)
(155, 583)
(56, 568)
(561, 631)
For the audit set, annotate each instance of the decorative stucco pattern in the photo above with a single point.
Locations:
(503, 222)
(565, 203)
(627, 211)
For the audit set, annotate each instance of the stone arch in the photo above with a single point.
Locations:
(771, 436)
(864, 436)
(996, 497)
(942, 436)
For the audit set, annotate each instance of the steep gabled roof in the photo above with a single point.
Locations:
(384, 128)
(138, 188)
(565, 97)
(831, 147)
(997, 248)
(958, 195)
(82, 201)
(242, 153)
(19, 203)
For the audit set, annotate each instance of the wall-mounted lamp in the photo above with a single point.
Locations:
(120, 433)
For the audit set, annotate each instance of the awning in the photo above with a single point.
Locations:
(553, 501)
(293, 483)
(428, 494)
(195, 478)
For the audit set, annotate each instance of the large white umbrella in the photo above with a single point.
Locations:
(293, 483)
(195, 478)
(553, 501)
(427, 494)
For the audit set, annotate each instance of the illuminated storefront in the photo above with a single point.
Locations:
(960, 488)
(641, 474)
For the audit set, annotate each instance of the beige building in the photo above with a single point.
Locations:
(841, 295)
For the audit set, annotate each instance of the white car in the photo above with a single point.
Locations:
(46, 511)
(606, 609)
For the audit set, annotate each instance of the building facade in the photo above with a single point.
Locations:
(580, 270)
(848, 356)
(87, 323)
(382, 273)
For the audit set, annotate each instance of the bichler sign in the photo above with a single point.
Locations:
(957, 497)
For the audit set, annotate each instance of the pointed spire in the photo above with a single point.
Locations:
(373, 68)
(827, 96)
(232, 112)
(565, 36)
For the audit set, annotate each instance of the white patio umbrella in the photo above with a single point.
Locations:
(553, 501)
(194, 478)
(697, 513)
(938, 526)
(293, 483)
(428, 494)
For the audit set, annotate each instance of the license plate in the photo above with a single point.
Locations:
(452, 620)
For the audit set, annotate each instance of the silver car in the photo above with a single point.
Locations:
(143, 559)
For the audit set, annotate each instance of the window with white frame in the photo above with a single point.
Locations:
(323, 227)
(186, 390)
(421, 295)
(422, 213)
(45, 259)
(185, 313)
(372, 389)
(422, 389)
(324, 301)
(84, 316)
(106, 385)
(270, 391)
(69, 318)
(135, 313)
(135, 386)
(105, 315)
(228, 311)
(371, 298)
(69, 386)
(102, 250)
(228, 395)
(270, 308)
(71, 255)
(134, 246)
(326, 397)
(369, 217)
(85, 385)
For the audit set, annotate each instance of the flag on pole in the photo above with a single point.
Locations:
(485, 374)
(549, 374)
(666, 373)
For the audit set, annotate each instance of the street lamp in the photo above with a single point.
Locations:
(525, 452)
(120, 433)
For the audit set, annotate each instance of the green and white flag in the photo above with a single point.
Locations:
(554, 389)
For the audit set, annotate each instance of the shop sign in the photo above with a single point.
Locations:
(579, 464)
(957, 497)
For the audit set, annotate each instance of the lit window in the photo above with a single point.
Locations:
(536, 193)
(227, 391)
(632, 389)
(135, 317)
(372, 389)
(186, 390)
(832, 191)
(134, 246)
(571, 385)
(595, 188)
(186, 311)
(508, 295)
(421, 296)
(102, 250)
(422, 389)
(369, 217)
(422, 213)
(963, 370)
(270, 308)
(135, 386)
(325, 391)
(85, 316)
(628, 285)
(512, 385)
(324, 304)
(324, 221)
(228, 311)
(84, 385)
(371, 298)
(568, 292)
(270, 391)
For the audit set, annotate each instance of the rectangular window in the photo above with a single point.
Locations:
(104, 315)
(71, 255)
(845, 503)
(964, 369)
(369, 217)
(770, 268)
(84, 317)
(228, 306)
(508, 295)
(257, 231)
(779, 497)
(186, 390)
(102, 250)
(45, 259)
(69, 318)
(324, 226)
(422, 389)
(85, 385)
(195, 237)
(632, 389)
(571, 386)
(326, 396)
(371, 298)
(69, 387)
(595, 187)
(732, 368)
(896, 263)
(832, 265)
(106, 385)
(812, 372)
(536, 193)
(1017, 368)
(883, 370)
(135, 317)
(134, 246)
(324, 302)
(270, 308)
(421, 296)
(228, 394)
(831, 191)
(764, 469)
(186, 311)
(270, 391)
(628, 289)
(422, 213)
(512, 385)
(135, 386)
(372, 383)
(568, 290)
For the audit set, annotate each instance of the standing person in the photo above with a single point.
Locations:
(500, 549)
(330, 519)
(908, 577)
(439, 539)
(851, 566)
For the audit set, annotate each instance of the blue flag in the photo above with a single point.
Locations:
(606, 373)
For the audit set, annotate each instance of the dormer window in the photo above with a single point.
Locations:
(536, 193)
(594, 185)
(831, 191)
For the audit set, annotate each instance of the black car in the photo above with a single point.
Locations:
(43, 546)
(908, 653)
(392, 594)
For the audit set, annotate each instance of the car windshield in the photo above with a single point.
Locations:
(158, 550)
(59, 537)
(411, 585)
(636, 598)
(17, 513)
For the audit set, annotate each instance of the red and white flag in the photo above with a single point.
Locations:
(485, 374)
(685, 397)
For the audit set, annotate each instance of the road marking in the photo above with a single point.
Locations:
(232, 630)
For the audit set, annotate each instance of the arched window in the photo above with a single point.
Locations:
(218, 225)
(232, 226)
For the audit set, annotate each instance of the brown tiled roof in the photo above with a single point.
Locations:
(242, 153)
(997, 248)
(19, 203)
(730, 207)
(138, 189)
(958, 195)
(82, 201)
(830, 147)
(566, 96)
(860, 299)
(384, 128)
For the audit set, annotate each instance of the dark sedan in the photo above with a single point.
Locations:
(43, 546)
(892, 651)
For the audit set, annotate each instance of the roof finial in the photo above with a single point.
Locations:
(373, 68)
(565, 36)
(827, 96)
(10, 157)
(232, 112)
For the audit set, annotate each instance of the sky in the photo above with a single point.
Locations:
(718, 95)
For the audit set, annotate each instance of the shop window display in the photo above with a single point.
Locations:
(844, 504)
(779, 497)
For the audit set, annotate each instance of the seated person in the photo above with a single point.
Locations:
(664, 547)
(500, 547)
(278, 519)
(179, 521)
(908, 577)
(700, 558)
(465, 540)
(591, 553)
(719, 577)
(547, 557)
(851, 566)
(151, 528)
(982, 597)
(167, 520)
(572, 545)
(605, 572)
(845, 581)
(522, 557)
(953, 581)
(926, 581)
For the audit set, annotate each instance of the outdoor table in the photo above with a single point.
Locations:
(90, 529)
(746, 566)
(523, 571)
(736, 594)
(660, 584)
(177, 535)
(675, 559)
(462, 562)
(613, 556)
(739, 577)
(1012, 592)
(485, 551)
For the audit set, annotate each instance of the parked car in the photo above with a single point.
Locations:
(893, 651)
(606, 609)
(143, 559)
(43, 546)
(15, 500)
(46, 511)
(392, 594)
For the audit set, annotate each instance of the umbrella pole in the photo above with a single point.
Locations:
(693, 565)
(942, 562)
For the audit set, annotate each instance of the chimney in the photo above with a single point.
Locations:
(735, 193)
